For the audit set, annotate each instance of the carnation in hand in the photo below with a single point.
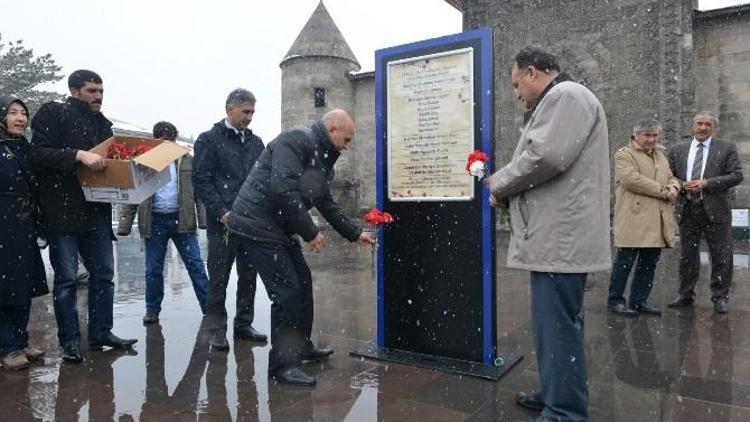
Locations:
(377, 217)
(476, 164)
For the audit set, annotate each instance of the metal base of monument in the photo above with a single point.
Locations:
(504, 361)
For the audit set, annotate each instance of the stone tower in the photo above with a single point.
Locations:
(315, 72)
(315, 77)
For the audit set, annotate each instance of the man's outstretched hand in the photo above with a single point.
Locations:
(366, 239)
(318, 243)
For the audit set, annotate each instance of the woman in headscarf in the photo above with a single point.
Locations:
(22, 273)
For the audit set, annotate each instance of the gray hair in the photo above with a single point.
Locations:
(239, 96)
(645, 124)
(707, 113)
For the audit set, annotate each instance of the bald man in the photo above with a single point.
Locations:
(291, 176)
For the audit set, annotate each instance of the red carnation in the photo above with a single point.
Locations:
(476, 165)
(118, 150)
(377, 217)
(477, 155)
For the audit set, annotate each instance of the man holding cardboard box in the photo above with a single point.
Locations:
(223, 159)
(63, 134)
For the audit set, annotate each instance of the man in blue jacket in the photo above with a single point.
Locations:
(292, 176)
(223, 159)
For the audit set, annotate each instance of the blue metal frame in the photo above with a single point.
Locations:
(486, 129)
(379, 193)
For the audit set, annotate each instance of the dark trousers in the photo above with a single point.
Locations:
(222, 253)
(163, 228)
(13, 323)
(95, 248)
(289, 284)
(693, 225)
(187, 389)
(557, 320)
(643, 278)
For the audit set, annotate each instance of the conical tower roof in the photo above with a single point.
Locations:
(320, 37)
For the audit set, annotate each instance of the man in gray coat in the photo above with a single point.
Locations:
(171, 213)
(708, 168)
(557, 184)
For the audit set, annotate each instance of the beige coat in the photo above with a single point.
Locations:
(558, 186)
(643, 216)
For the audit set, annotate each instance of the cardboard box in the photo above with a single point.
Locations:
(129, 181)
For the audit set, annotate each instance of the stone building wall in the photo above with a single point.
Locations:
(631, 53)
(722, 79)
(300, 76)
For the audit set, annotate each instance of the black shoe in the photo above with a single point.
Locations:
(647, 308)
(294, 376)
(249, 333)
(112, 341)
(622, 310)
(219, 342)
(721, 306)
(151, 317)
(681, 302)
(532, 401)
(317, 354)
(72, 352)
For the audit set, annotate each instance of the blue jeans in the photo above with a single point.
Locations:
(163, 228)
(13, 323)
(95, 247)
(557, 320)
(643, 279)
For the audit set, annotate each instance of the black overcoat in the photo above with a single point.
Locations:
(220, 166)
(60, 130)
(273, 203)
(22, 273)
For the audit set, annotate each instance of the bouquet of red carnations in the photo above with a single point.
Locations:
(118, 150)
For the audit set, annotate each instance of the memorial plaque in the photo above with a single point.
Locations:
(436, 260)
(431, 126)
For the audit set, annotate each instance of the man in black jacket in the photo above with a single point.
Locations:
(292, 176)
(223, 159)
(63, 132)
(708, 168)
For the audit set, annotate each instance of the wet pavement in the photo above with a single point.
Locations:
(690, 365)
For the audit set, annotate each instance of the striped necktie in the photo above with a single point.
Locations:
(697, 172)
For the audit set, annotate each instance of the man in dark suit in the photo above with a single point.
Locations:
(707, 168)
(224, 156)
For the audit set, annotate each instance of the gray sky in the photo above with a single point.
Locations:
(177, 59)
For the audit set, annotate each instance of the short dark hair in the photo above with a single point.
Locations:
(240, 96)
(78, 79)
(164, 129)
(540, 59)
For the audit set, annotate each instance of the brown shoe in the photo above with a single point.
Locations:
(15, 360)
(33, 354)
